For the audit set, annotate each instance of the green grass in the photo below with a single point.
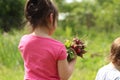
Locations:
(98, 45)
(11, 74)
(9, 54)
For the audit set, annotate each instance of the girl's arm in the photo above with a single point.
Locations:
(65, 69)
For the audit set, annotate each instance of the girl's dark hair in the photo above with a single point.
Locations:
(37, 12)
(115, 52)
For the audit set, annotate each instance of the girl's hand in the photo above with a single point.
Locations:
(72, 55)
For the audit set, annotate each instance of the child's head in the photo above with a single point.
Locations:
(115, 52)
(39, 12)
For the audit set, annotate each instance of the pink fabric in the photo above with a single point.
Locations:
(40, 57)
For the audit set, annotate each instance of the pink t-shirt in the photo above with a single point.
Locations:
(40, 57)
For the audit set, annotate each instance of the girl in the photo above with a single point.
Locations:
(44, 57)
(112, 70)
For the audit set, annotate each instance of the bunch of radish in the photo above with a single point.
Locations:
(74, 47)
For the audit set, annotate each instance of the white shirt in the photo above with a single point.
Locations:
(108, 72)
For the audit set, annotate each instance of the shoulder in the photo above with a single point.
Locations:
(22, 42)
(103, 69)
(107, 68)
(24, 37)
(108, 72)
(102, 72)
(57, 43)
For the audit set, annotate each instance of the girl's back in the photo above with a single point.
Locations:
(40, 60)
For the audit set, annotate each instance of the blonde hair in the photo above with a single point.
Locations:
(115, 52)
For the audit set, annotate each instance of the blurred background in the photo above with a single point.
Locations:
(96, 22)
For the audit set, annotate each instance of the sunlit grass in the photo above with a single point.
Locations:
(11, 74)
(98, 45)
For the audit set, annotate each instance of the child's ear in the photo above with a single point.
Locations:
(51, 18)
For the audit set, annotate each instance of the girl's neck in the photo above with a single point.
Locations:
(116, 66)
(42, 32)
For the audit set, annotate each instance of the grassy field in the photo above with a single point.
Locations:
(7, 73)
(98, 45)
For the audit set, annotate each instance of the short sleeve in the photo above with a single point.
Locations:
(62, 53)
(21, 43)
(20, 46)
